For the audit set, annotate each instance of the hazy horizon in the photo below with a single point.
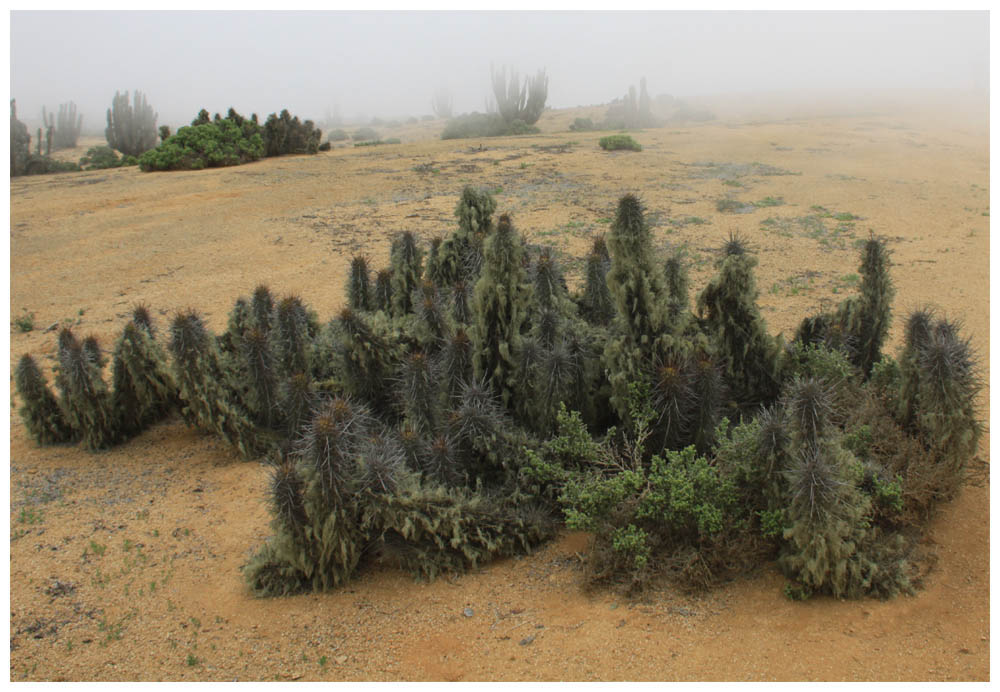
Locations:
(388, 64)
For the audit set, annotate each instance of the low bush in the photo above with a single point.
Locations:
(101, 157)
(485, 125)
(619, 141)
(364, 134)
(582, 125)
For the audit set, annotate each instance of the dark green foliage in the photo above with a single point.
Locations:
(144, 392)
(501, 304)
(131, 126)
(228, 141)
(596, 304)
(101, 157)
(582, 125)
(40, 411)
(337, 135)
(728, 305)
(86, 400)
(283, 134)
(644, 520)
(461, 301)
(406, 258)
(619, 142)
(359, 291)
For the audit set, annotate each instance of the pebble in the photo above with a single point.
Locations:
(468, 612)
(527, 640)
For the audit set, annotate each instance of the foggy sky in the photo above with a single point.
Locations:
(388, 64)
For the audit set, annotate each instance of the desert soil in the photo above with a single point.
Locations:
(125, 564)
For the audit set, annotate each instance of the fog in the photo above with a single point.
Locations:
(388, 64)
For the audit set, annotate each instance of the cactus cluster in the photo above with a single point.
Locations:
(465, 401)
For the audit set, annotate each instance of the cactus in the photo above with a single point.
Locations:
(20, 143)
(86, 399)
(143, 391)
(596, 303)
(369, 355)
(675, 273)
(359, 296)
(729, 308)
(418, 392)
(383, 291)
(291, 336)
(460, 257)
(501, 304)
(131, 126)
(261, 309)
(40, 411)
(205, 400)
(406, 260)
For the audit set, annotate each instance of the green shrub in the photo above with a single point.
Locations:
(101, 157)
(283, 134)
(229, 141)
(582, 125)
(337, 135)
(620, 141)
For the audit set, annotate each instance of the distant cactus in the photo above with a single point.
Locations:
(131, 126)
(66, 126)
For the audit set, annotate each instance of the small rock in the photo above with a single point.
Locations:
(527, 640)
(468, 612)
(341, 660)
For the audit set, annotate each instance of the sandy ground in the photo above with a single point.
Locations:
(125, 565)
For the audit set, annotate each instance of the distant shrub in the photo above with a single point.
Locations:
(101, 157)
(364, 134)
(325, 146)
(227, 141)
(615, 142)
(337, 135)
(284, 134)
(582, 125)
(484, 125)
